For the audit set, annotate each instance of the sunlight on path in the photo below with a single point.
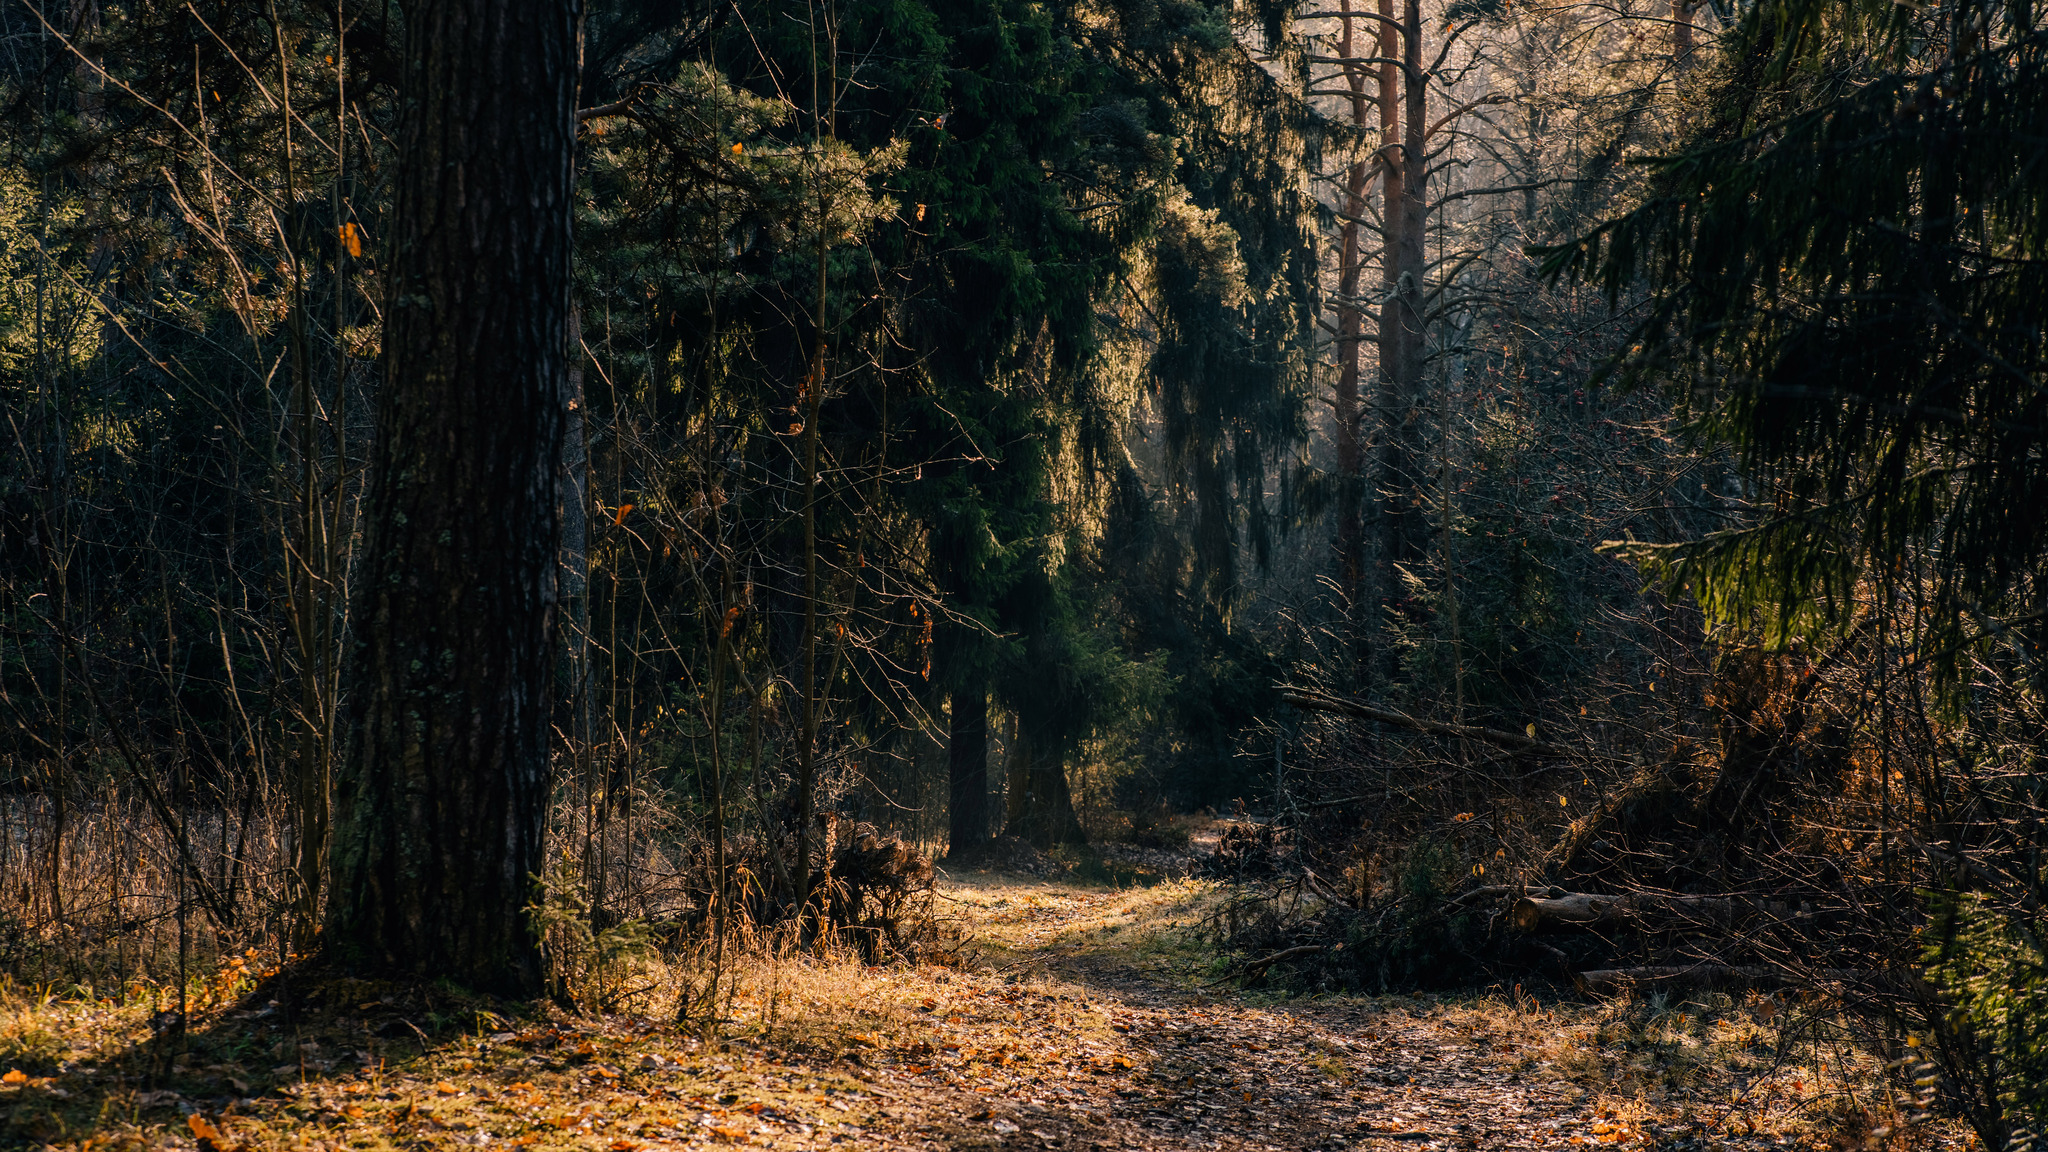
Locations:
(1062, 1017)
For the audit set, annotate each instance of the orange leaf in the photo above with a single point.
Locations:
(352, 238)
(354, 1112)
(623, 1146)
(604, 1072)
(732, 1134)
(529, 1138)
(209, 1137)
(446, 1089)
(618, 518)
(14, 1076)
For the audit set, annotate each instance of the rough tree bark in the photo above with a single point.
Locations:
(442, 799)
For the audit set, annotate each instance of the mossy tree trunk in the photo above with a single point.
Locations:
(442, 799)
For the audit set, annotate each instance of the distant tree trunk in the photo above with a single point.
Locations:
(1350, 340)
(441, 802)
(967, 768)
(1681, 34)
(1403, 101)
(1041, 804)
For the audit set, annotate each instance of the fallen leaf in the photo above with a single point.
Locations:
(623, 1146)
(446, 1089)
(14, 1076)
(209, 1137)
(606, 1073)
(354, 1112)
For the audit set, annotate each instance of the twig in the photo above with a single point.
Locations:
(1318, 702)
(1258, 966)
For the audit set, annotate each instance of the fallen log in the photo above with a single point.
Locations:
(1685, 977)
(1318, 702)
(1636, 909)
(1558, 910)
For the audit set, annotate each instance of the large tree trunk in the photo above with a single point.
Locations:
(442, 800)
(967, 767)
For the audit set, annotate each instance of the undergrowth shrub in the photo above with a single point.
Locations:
(1992, 962)
(588, 967)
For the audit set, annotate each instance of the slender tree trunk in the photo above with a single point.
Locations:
(1388, 464)
(442, 800)
(1350, 341)
(967, 768)
(1403, 121)
(1681, 35)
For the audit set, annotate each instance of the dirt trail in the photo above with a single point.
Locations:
(1068, 1017)
(1184, 1067)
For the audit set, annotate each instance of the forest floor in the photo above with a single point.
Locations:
(1071, 1016)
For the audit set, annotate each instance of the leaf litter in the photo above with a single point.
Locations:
(1069, 1017)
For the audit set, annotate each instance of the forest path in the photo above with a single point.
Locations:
(1061, 1016)
(1114, 1041)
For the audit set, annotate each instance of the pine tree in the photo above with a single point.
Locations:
(1847, 284)
(443, 801)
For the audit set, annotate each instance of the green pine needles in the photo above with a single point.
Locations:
(1994, 966)
(1847, 279)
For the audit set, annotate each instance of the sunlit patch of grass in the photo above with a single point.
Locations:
(1758, 1065)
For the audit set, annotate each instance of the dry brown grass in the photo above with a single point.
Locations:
(1048, 997)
